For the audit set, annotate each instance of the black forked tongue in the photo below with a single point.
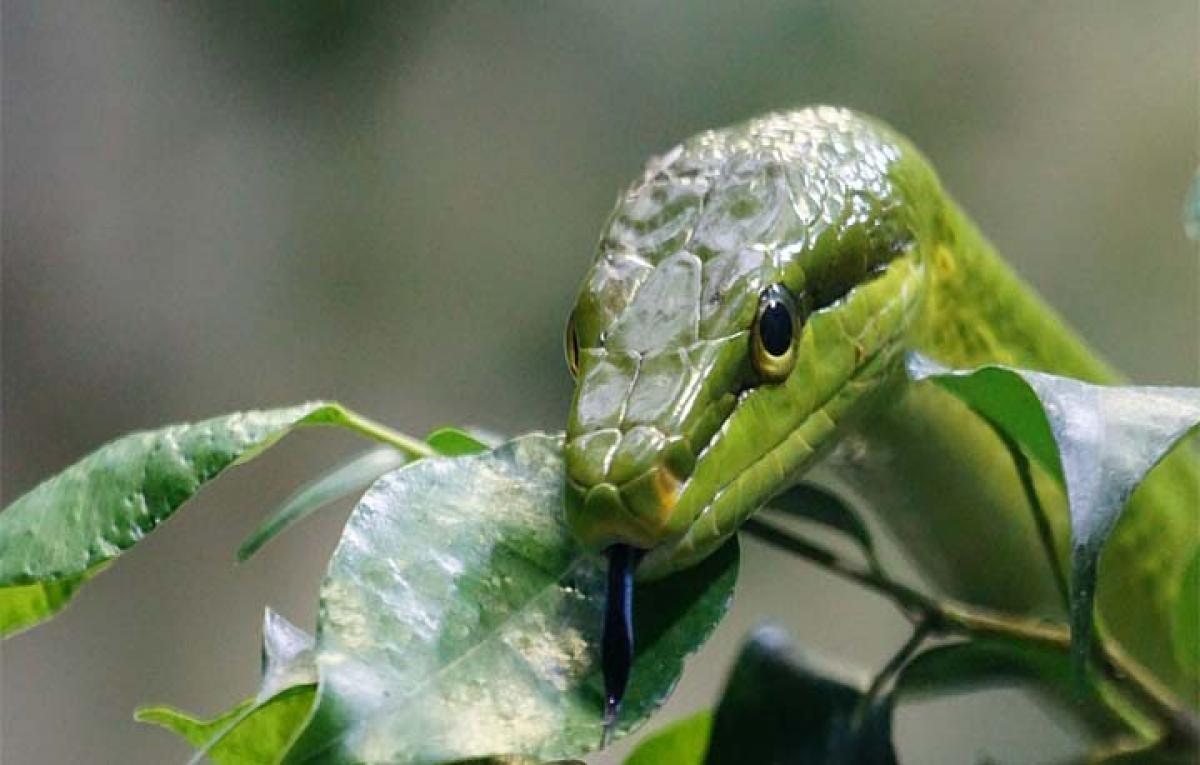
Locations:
(616, 645)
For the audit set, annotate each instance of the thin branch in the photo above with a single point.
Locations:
(920, 634)
(912, 602)
(948, 617)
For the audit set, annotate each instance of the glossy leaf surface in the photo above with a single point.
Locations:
(460, 619)
(1100, 440)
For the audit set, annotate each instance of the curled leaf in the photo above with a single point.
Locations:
(258, 729)
(1100, 440)
(251, 733)
(288, 656)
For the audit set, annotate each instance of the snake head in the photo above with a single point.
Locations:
(748, 296)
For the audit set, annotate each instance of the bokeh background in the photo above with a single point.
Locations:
(215, 205)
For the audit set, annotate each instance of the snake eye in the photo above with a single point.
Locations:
(773, 348)
(571, 346)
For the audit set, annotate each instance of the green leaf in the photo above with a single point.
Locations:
(258, 729)
(62, 531)
(1186, 626)
(683, 742)
(1101, 441)
(349, 478)
(25, 606)
(459, 619)
(249, 734)
(452, 442)
(196, 731)
(812, 503)
(780, 706)
(1004, 398)
(997, 662)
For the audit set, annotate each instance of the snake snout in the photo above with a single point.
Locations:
(623, 488)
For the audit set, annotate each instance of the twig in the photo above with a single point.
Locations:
(921, 632)
(1180, 727)
(413, 447)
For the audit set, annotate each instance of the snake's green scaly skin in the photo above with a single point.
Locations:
(673, 440)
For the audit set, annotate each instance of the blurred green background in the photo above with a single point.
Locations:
(216, 205)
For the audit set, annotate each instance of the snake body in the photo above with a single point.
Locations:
(695, 403)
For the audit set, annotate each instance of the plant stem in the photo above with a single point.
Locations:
(1045, 531)
(413, 447)
(920, 634)
(1179, 726)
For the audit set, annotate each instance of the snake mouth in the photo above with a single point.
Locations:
(639, 513)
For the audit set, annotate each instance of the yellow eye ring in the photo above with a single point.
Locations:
(571, 346)
(773, 336)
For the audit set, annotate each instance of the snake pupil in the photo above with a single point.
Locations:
(775, 328)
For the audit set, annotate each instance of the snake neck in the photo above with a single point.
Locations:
(975, 311)
(978, 311)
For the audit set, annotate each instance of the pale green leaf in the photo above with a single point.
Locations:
(25, 606)
(252, 733)
(683, 742)
(452, 442)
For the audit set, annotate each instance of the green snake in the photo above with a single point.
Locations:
(752, 300)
